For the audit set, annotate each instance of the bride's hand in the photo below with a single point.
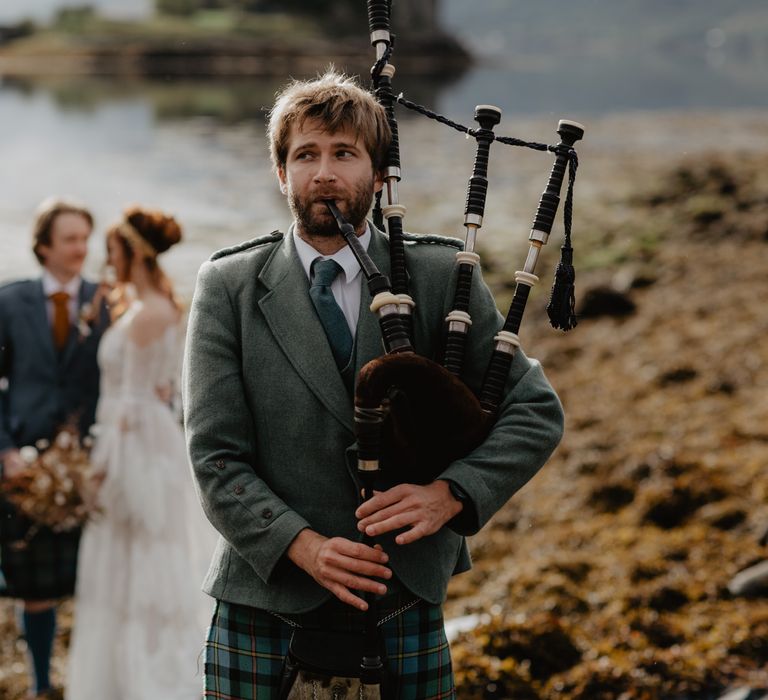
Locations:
(164, 392)
(13, 463)
(92, 485)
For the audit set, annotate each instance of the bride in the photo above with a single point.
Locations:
(139, 614)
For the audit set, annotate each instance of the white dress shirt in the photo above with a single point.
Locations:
(51, 285)
(346, 286)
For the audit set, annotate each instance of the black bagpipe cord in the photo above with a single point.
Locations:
(561, 307)
(378, 214)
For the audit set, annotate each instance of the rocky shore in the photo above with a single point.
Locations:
(607, 576)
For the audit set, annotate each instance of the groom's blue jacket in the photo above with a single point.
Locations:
(41, 388)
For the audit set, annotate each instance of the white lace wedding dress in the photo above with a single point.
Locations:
(140, 617)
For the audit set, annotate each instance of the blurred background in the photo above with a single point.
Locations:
(608, 576)
(163, 103)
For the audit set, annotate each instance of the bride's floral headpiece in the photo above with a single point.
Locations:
(138, 243)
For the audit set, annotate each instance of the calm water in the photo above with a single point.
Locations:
(199, 152)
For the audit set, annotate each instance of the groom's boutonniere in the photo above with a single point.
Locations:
(85, 321)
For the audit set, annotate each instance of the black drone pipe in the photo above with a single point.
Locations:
(382, 73)
(385, 304)
(458, 320)
(507, 340)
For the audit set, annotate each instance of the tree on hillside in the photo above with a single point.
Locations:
(177, 7)
(189, 7)
(409, 16)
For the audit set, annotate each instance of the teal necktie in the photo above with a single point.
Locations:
(331, 316)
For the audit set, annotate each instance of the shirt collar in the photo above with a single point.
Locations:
(51, 285)
(345, 257)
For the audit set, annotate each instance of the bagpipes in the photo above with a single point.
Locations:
(393, 388)
(414, 415)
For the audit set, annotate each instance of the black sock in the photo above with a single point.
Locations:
(39, 631)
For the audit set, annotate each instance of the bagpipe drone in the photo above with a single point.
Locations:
(400, 377)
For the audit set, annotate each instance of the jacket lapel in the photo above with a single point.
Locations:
(87, 290)
(38, 319)
(292, 318)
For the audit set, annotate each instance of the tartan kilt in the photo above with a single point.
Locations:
(46, 568)
(245, 649)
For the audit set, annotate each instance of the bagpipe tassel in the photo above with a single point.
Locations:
(377, 213)
(562, 301)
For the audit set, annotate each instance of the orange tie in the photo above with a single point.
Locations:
(60, 319)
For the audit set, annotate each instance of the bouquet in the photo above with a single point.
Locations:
(58, 488)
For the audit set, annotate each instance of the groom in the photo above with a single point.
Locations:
(48, 377)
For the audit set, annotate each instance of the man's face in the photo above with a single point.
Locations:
(321, 165)
(65, 256)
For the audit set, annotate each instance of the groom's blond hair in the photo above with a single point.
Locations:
(339, 104)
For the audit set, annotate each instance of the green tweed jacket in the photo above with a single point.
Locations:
(270, 429)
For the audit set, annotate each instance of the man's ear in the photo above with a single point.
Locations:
(378, 181)
(281, 179)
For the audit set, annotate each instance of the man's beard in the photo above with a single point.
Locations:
(316, 221)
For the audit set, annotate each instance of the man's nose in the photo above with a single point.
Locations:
(325, 171)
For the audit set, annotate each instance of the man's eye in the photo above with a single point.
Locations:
(345, 154)
(303, 156)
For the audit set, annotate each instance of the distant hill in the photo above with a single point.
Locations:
(586, 28)
(601, 27)
(596, 55)
(559, 56)
(43, 10)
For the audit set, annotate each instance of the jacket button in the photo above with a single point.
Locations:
(266, 513)
(239, 489)
(220, 464)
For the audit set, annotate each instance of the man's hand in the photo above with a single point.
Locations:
(425, 509)
(341, 565)
(13, 464)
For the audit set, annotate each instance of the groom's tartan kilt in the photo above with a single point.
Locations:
(246, 647)
(45, 568)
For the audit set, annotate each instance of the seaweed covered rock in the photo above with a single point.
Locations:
(658, 496)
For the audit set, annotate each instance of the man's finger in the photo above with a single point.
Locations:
(415, 533)
(394, 522)
(362, 568)
(382, 500)
(384, 514)
(358, 583)
(347, 580)
(358, 550)
(346, 596)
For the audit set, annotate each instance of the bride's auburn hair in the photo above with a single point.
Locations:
(145, 234)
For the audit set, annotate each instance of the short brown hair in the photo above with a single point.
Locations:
(46, 217)
(337, 102)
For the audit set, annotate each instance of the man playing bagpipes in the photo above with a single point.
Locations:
(279, 330)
